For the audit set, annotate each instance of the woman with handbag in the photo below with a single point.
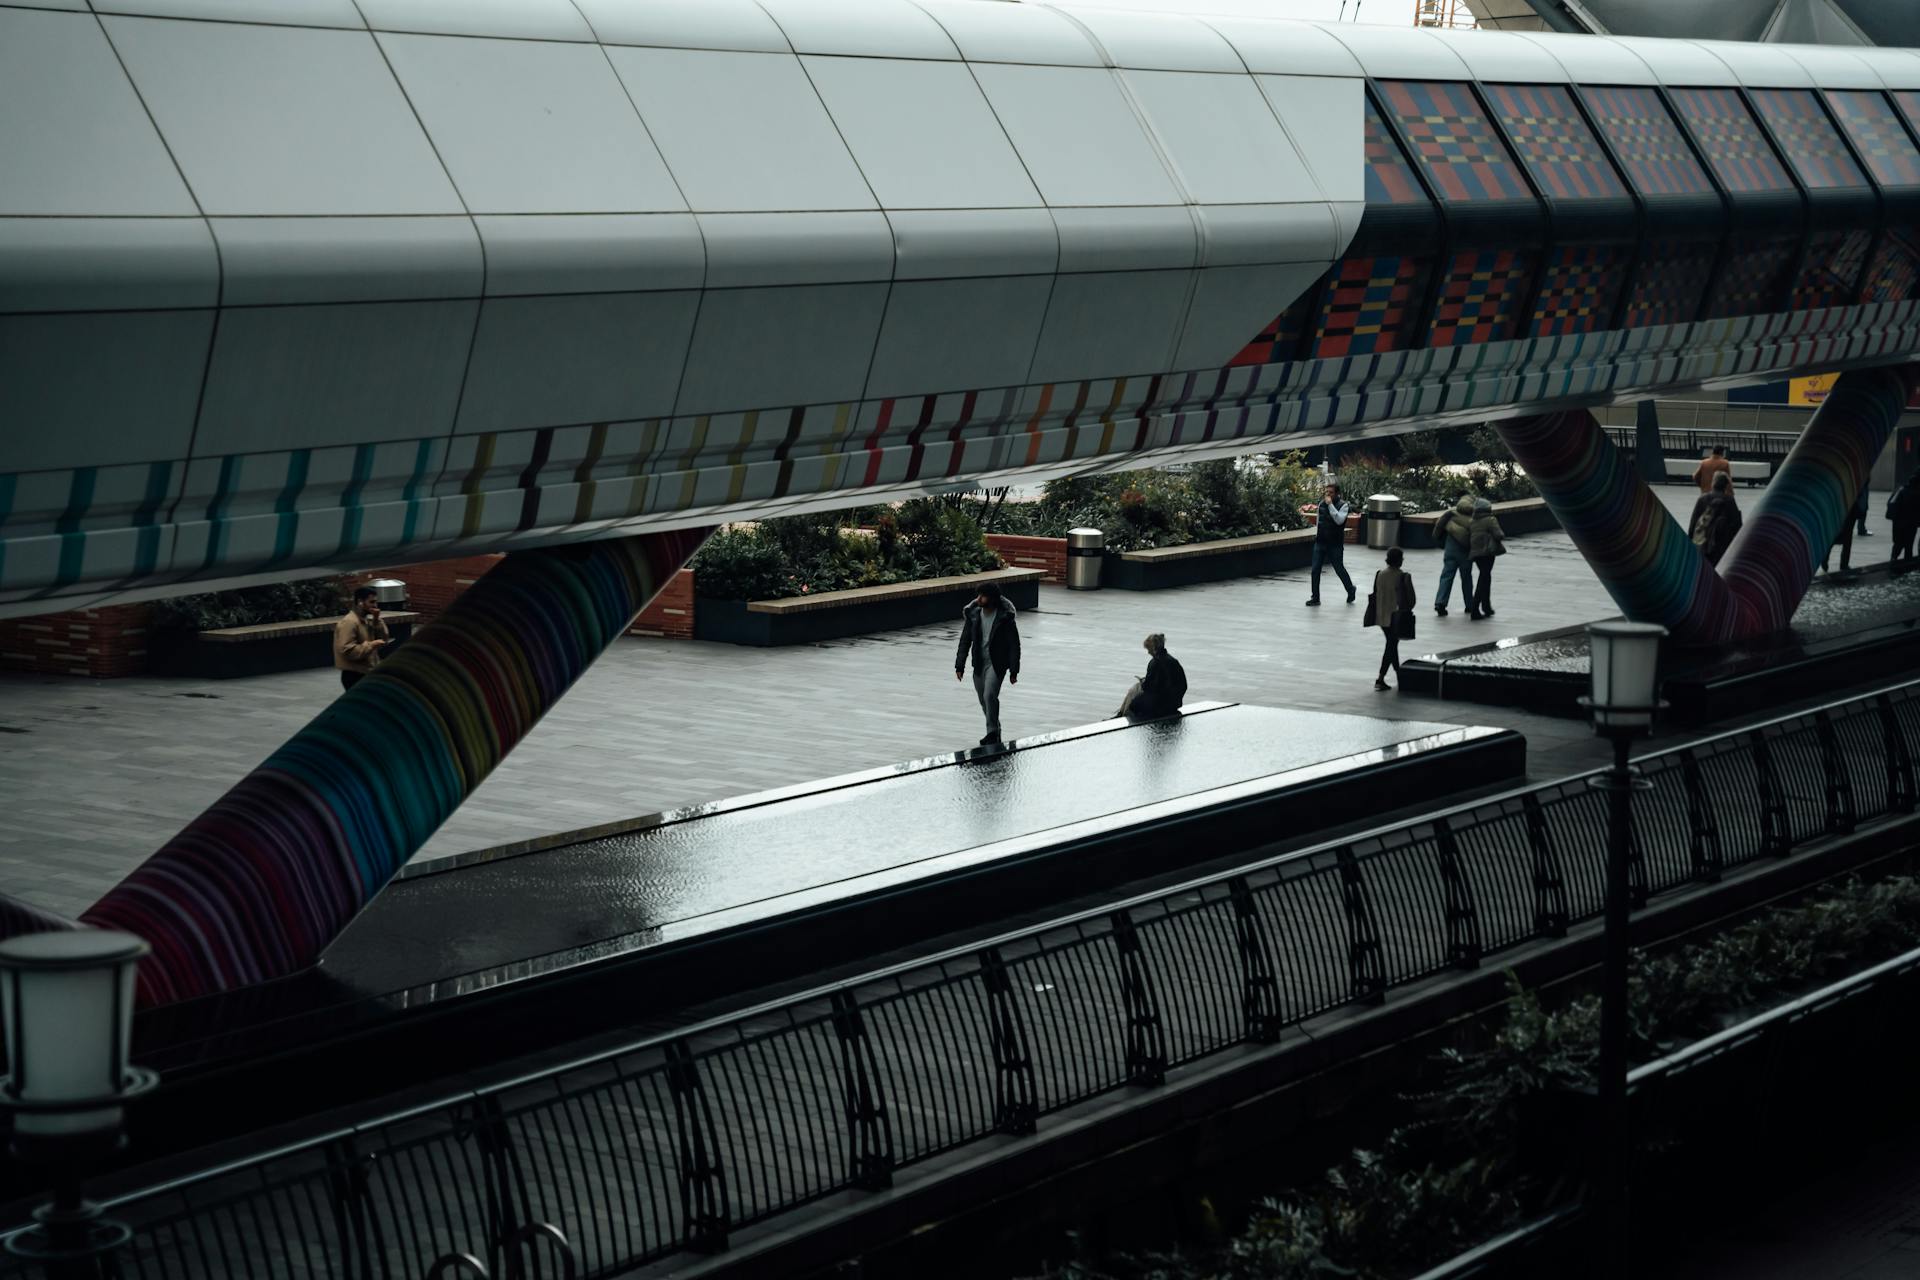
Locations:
(1488, 540)
(1390, 607)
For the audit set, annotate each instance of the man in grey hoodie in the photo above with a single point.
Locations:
(991, 637)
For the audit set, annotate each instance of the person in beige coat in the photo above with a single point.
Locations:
(1488, 540)
(359, 638)
(1390, 608)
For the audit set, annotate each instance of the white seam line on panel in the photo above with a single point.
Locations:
(479, 302)
(1053, 276)
(666, 419)
(1165, 156)
(893, 244)
(169, 523)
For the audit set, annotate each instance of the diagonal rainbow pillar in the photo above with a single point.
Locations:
(257, 886)
(1645, 559)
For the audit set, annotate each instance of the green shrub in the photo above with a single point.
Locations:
(804, 555)
(250, 606)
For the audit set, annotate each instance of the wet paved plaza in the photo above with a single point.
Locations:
(99, 773)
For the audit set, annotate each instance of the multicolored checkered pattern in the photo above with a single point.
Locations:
(1480, 300)
(1877, 135)
(1894, 275)
(1454, 142)
(1648, 142)
(1735, 144)
(1559, 150)
(1832, 264)
(1908, 100)
(1752, 279)
(1668, 282)
(1370, 306)
(1390, 178)
(1577, 289)
(1811, 142)
(1280, 340)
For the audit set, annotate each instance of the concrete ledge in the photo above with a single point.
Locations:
(834, 615)
(1221, 547)
(1158, 567)
(1522, 515)
(305, 627)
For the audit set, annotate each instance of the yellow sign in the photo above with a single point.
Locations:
(1810, 390)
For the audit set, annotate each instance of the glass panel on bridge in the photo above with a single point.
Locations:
(1878, 135)
(1833, 262)
(1808, 137)
(1390, 178)
(1481, 297)
(1578, 289)
(1733, 140)
(1668, 282)
(1642, 132)
(1559, 150)
(1754, 276)
(1371, 305)
(1894, 275)
(1454, 142)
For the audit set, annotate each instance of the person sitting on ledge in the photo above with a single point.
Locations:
(1159, 692)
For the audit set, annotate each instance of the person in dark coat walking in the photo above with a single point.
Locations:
(1489, 540)
(1844, 541)
(1159, 692)
(991, 638)
(1329, 541)
(1391, 609)
(1716, 518)
(1903, 513)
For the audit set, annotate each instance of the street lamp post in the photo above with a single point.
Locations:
(1626, 660)
(67, 1001)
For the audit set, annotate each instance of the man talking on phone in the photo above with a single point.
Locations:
(360, 638)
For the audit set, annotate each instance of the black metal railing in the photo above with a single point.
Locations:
(670, 1143)
(1693, 442)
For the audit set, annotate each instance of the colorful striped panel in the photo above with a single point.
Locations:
(1877, 135)
(1733, 140)
(1481, 298)
(1453, 141)
(1814, 146)
(1578, 289)
(1668, 283)
(1908, 100)
(257, 886)
(1370, 306)
(1833, 263)
(1753, 278)
(1390, 178)
(1280, 340)
(1650, 145)
(1895, 272)
(1645, 559)
(1554, 142)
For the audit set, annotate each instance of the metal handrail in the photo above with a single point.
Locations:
(667, 1143)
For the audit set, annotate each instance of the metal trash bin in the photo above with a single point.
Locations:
(390, 592)
(1085, 547)
(1383, 521)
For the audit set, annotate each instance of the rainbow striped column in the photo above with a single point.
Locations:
(257, 886)
(1645, 559)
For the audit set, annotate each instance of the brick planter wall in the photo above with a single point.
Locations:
(671, 613)
(435, 584)
(98, 643)
(1046, 554)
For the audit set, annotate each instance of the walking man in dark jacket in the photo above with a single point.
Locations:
(989, 633)
(1329, 541)
(1716, 518)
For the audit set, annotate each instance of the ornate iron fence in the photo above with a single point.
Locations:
(668, 1144)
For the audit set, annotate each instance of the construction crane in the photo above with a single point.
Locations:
(1446, 14)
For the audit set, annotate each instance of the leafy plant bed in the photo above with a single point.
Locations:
(834, 615)
(258, 649)
(1495, 1135)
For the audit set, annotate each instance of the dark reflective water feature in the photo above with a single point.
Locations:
(579, 895)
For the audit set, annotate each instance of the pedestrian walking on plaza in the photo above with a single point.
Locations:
(1844, 542)
(360, 638)
(1488, 540)
(989, 634)
(1903, 513)
(1714, 464)
(1329, 542)
(1159, 692)
(1716, 518)
(1454, 532)
(1860, 511)
(1391, 608)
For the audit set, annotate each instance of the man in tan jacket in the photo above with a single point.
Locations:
(359, 638)
(1714, 464)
